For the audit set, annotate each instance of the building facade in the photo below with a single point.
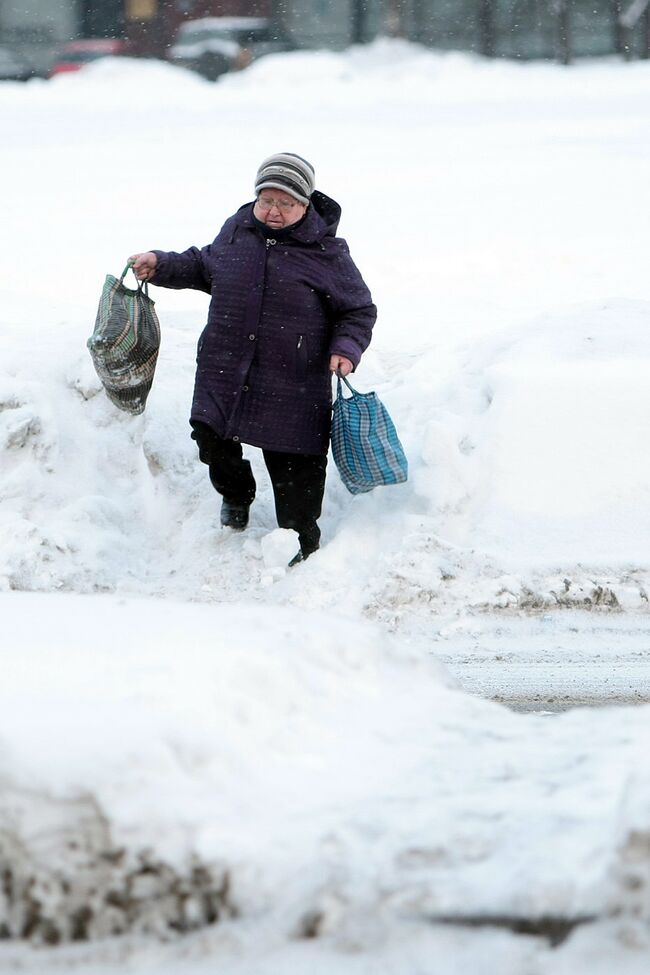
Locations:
(551, 29)
(38, 27)
(524, 29)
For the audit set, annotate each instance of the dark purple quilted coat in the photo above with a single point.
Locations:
(279, 309)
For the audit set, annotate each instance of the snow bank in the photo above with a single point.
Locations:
(527, 486)
(167, 765)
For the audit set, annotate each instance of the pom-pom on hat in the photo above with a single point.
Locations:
(289, 172)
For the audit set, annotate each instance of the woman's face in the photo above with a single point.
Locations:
(278, 209)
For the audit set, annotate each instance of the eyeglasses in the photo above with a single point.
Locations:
(267, 203)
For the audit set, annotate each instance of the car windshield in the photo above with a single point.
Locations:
(235, 29)
(250, 35)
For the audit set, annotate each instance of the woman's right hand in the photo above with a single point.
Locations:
(144, 265)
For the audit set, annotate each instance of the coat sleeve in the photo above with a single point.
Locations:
(190, 269)
(352, 309)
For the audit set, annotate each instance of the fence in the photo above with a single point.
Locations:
(552, 29)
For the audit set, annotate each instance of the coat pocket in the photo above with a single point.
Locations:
(302, 357)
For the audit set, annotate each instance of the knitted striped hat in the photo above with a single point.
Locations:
(289, 172)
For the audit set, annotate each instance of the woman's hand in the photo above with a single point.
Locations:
(144, 265)
(340, 365)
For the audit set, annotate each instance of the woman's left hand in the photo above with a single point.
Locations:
(340, 365)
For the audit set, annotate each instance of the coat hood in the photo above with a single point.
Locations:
(328, 210)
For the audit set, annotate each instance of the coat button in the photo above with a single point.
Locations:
(251, 337)
(245, 388)
(235, 439)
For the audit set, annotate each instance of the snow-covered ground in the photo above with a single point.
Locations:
(187, 731)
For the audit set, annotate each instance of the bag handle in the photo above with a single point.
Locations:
(347, 383)
(142, 285)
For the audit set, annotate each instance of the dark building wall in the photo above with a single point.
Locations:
(319, 23)
(35, 28)
(53, 18)
(105, 19)
(521, 29)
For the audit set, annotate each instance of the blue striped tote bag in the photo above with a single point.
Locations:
(365, 445)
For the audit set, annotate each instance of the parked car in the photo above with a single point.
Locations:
(14, 67)
(214, 45)
(75, 54)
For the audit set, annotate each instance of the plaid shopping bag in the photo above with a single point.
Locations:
(124, 345)
(365, 445)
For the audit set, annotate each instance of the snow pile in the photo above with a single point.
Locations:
(569, 412)
(164, 767)
(530, 461)
(527, 488)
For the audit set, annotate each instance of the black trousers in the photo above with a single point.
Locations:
(298, 481)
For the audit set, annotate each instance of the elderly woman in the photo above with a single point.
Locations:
(288, 308)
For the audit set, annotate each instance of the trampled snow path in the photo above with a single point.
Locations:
(512, 350)
(517, 381)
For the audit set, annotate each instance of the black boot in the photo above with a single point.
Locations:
(301, 556)
(234, 516)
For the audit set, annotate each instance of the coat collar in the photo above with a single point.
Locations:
(322, 219)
